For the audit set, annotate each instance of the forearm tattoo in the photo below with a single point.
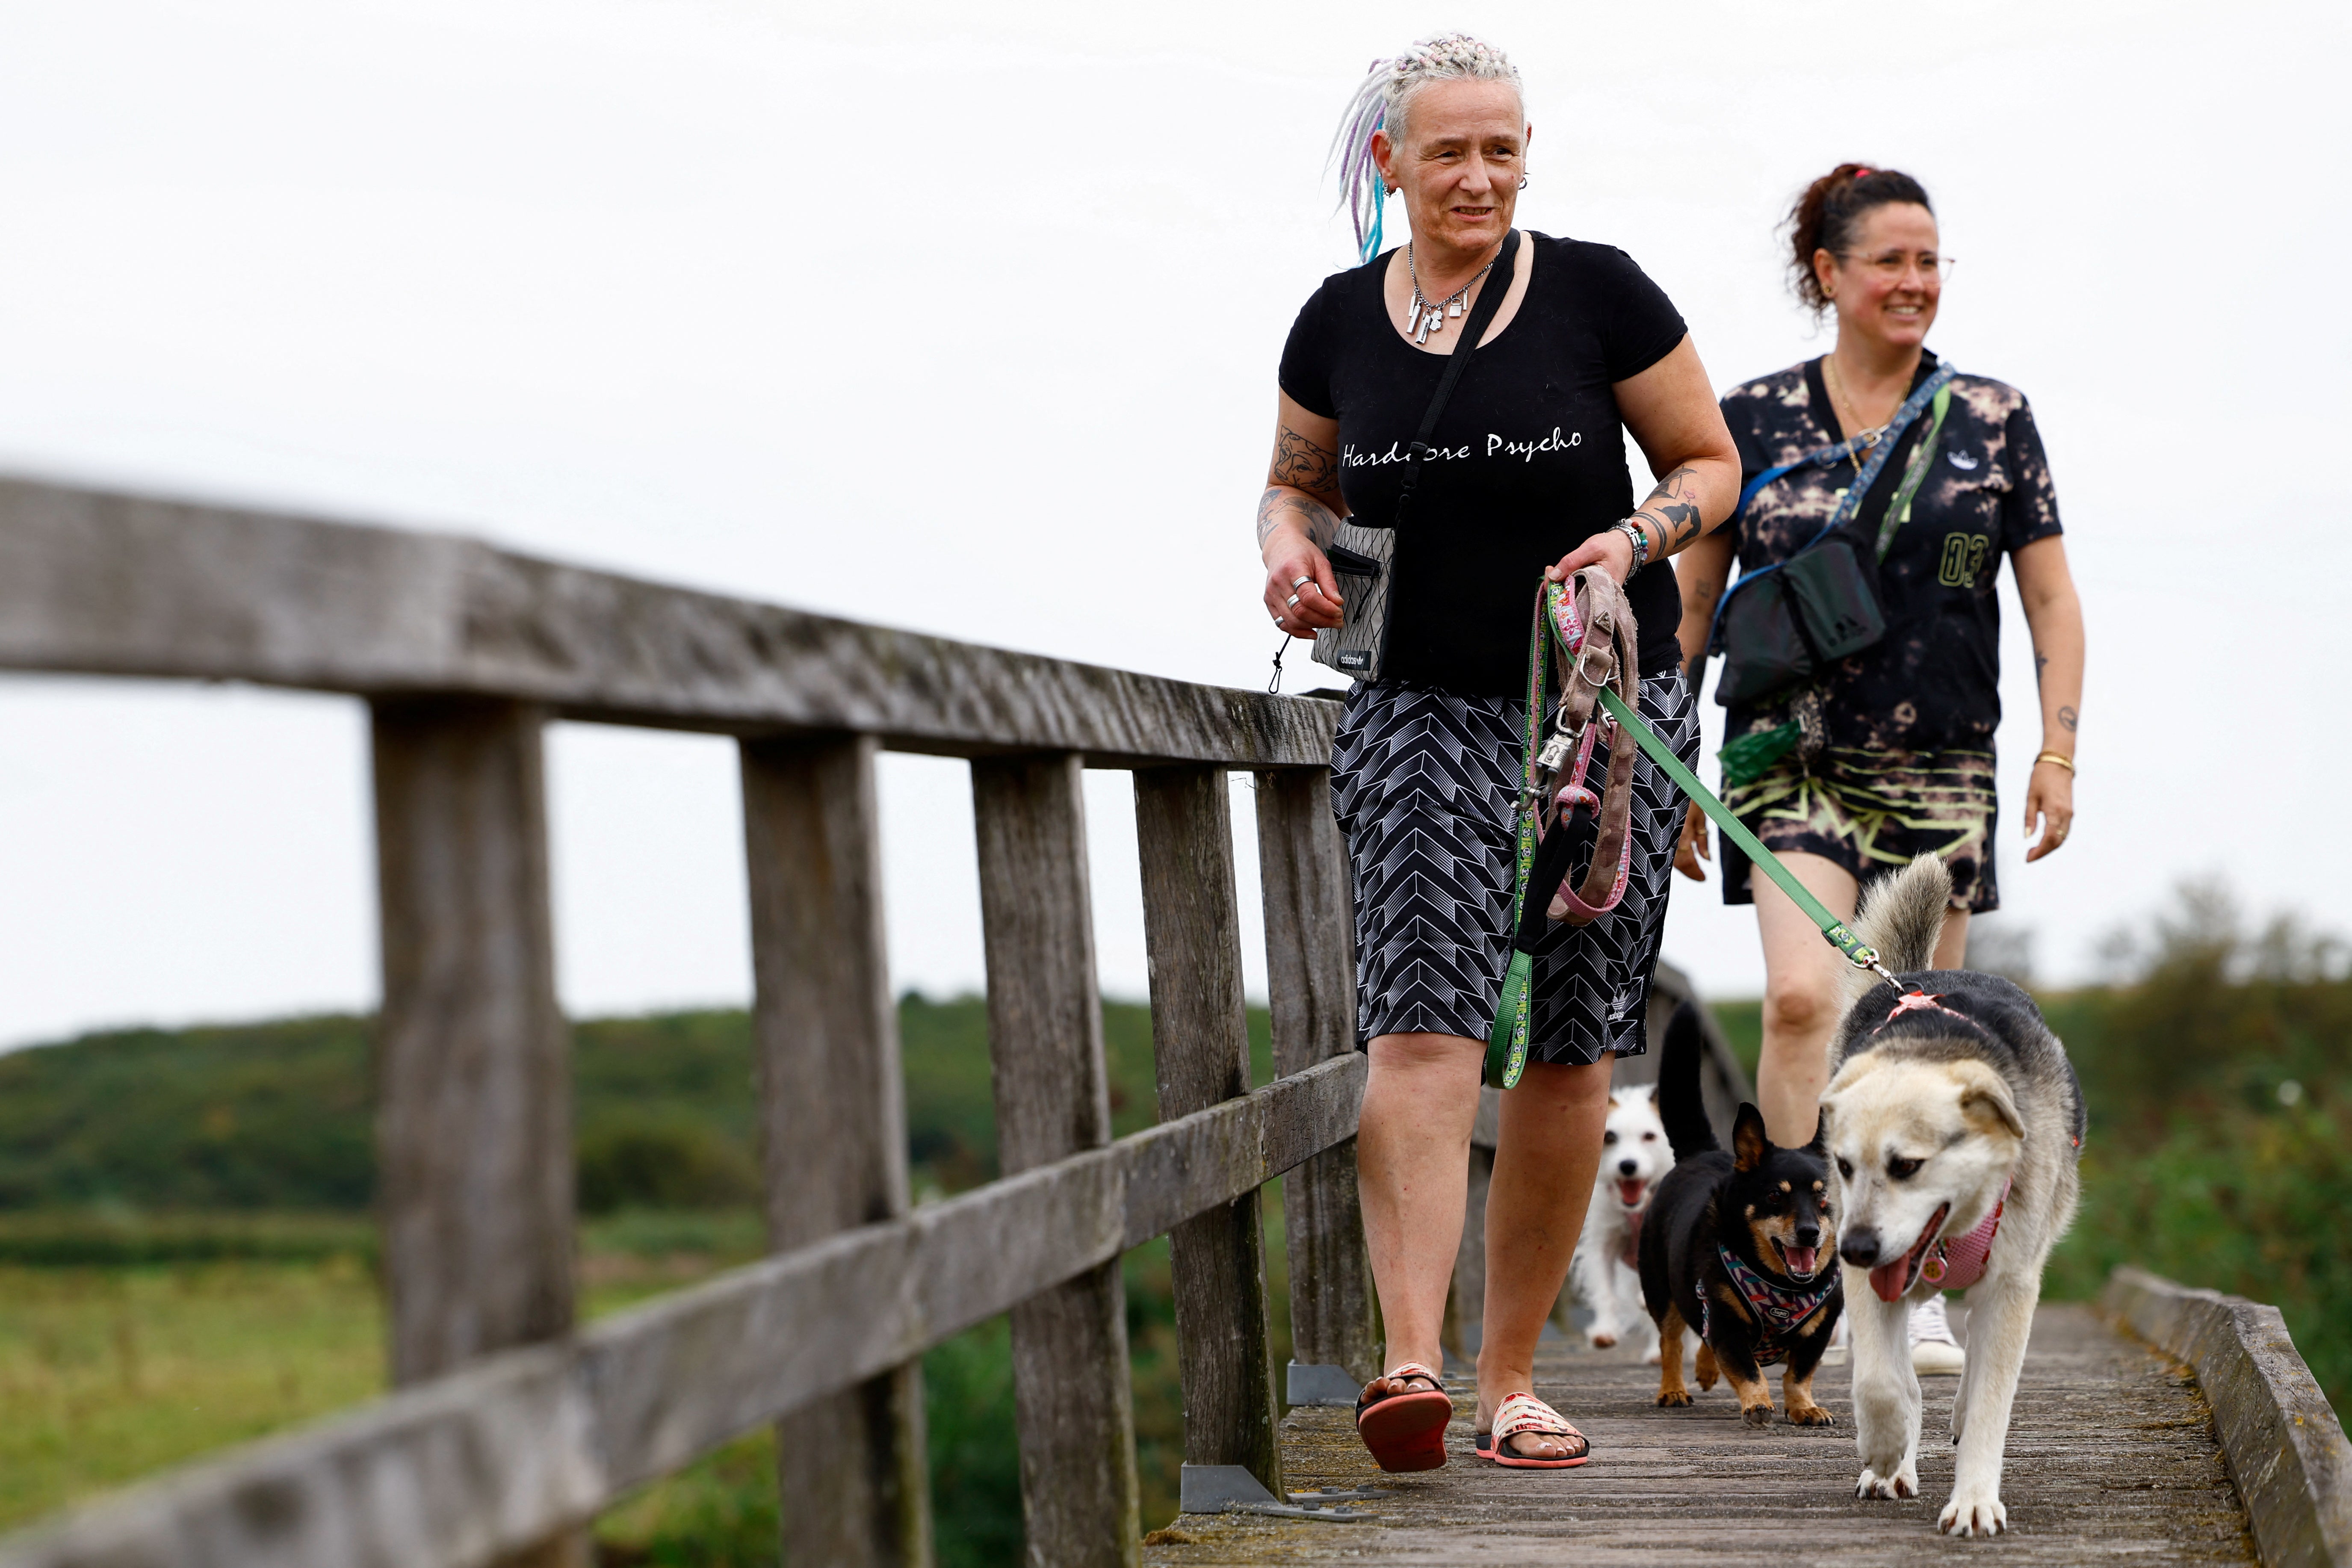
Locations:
(1672, 511)
(1280, 505)
(1300, 463)
(2066, 717)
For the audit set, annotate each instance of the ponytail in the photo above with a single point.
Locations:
(1831, 208)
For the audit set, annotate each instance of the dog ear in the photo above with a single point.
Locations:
(1748, 1144)
(1985, 1098)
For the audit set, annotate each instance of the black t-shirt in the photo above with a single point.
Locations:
(1531, 455)
(1935, 680)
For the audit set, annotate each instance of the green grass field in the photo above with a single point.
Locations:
(185, 1260)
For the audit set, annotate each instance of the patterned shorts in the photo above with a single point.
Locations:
(1425, 782)
(1870, 811)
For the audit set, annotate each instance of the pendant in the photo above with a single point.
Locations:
(1455, 306)
(1431, 319)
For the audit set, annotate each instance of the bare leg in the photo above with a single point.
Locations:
(1413, 1171)
(1952, 947)
(1804, 996)
(1545, 1160)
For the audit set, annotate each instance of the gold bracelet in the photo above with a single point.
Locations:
(2060, 758)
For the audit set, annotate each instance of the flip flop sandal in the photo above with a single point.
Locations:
(1524, 1415)
(1406, 1431)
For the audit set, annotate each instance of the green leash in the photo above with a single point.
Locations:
(1507, 1042)
(1506, 1046)
(1833, 930)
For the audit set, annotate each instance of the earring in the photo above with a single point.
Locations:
(1523, 181)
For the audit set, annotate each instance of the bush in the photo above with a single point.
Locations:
(663, 1165)
(2218, 1072)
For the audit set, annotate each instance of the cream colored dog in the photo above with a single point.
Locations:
(1953, 1124)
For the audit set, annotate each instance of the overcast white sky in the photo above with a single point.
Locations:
(965, 319)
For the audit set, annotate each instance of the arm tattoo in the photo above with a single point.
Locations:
(1280, 505)
(1301, 464)
(2066, 717)
(1674, 506)
(2041, 662)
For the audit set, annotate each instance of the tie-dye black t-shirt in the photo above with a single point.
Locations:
(1934, 681)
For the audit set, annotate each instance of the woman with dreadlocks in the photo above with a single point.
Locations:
(1522, 477)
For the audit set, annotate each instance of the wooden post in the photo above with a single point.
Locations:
(473, 1062)
(1076, 1404)
(851, 1468)
(1199, 1041)
(1310, 961)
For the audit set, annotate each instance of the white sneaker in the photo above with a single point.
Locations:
(1840, 1343)
(1934, 1352)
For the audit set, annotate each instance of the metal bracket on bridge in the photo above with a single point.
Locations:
(1231, 1488)
(1316, 1383)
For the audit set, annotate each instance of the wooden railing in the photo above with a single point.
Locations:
(511, 1427)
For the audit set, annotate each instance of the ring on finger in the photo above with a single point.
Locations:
(1299, 583)
(1292, 602)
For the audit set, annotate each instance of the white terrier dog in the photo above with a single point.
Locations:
(1633, 1155)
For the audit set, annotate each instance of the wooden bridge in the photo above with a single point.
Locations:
(512, 1426)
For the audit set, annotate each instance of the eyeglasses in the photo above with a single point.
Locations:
(1891, 265)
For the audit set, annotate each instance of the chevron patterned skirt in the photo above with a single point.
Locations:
(1423, 782)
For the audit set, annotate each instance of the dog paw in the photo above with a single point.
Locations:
(1894, 1486)
(1973, 1511)
(1756, 1414)
(1673, 1399)
(1601, 1341)
(1811, 1416)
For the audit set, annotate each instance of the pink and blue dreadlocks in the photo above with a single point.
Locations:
(1379, 103)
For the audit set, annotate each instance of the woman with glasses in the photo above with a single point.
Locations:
(1887, 753)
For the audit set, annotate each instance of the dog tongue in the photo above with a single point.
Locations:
(1629, 1193)
(1802, 1260)
(1889, 1279)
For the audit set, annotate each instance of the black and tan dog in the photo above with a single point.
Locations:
(1741, 1247)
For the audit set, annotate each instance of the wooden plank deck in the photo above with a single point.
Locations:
(2112, 1457)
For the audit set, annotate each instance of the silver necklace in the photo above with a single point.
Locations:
(1424, 316)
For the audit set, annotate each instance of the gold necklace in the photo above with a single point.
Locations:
(1867, 435)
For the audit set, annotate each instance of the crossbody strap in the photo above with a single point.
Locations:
(1490, 299)
(1935, 389)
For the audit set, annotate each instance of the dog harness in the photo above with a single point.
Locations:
(1958, 1263)
(1779, 1308)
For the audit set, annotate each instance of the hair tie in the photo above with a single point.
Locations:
(1860, 171)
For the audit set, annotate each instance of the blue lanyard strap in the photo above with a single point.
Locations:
(1890, 437)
